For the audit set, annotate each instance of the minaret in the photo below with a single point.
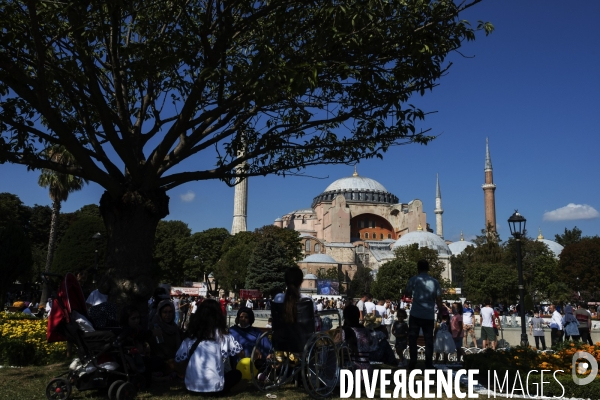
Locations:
(240, 203)
(488, 192)
(438, 210)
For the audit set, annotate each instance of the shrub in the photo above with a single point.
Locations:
(23, 341)
(523, 360)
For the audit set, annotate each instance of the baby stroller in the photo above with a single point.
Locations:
(102, 360)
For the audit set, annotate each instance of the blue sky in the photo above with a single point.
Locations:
(532, 88)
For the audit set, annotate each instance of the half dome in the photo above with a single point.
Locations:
(458, 247)
(553, 246)
(424, 239)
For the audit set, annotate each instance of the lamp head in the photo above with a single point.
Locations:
(516, 223)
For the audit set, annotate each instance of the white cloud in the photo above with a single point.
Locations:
(570, 212)
(187, 197)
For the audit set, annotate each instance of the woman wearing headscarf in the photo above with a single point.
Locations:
(570, 324)
(245, 334)
(166, 338)
(293, 314)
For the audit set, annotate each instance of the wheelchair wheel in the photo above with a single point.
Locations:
(320, 366)
(344, 357)
(58, 389)
(269, 371)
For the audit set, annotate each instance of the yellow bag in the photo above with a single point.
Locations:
(244, 367)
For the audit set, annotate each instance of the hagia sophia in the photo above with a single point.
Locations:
(356, 222)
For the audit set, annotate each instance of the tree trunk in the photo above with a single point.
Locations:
(131, 221)
(51, 244)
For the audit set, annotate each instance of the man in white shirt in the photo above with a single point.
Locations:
(380, 309)
(369, 305)
(320, 305)
(487, 326)
(360, 304)
(249, 304)
(556, 326)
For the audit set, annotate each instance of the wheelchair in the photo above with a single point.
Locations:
(298, 353)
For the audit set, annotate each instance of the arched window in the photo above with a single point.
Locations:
(382, 236)
(389, 235)
(317, 248)
(307, 245)
(366, 235)
(304, 271)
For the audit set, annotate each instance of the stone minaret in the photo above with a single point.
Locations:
(488, 192)
(240, 204)
(438, 210)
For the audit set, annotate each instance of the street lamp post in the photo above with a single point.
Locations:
(97, 236)
(516, 222)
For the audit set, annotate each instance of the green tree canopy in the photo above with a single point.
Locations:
(570, 236)
(12, 210)
(232, 268)
(276, 250)
(168, 255)
(393, 276)
(149, 96)
(579, 267)
(15, 255)
(77, 248)
(205, 250)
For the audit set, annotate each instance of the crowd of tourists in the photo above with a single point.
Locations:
(188, 337)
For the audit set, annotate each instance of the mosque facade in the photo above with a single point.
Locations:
(356, 222)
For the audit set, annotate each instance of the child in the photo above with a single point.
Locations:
(204, 356)
(443, 340)
(457, 328)
(400, 331)
(269, 323)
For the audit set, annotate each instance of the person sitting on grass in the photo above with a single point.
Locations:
(246, 334)
(204, 354)
(165, 342)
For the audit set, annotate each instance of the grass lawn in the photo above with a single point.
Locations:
(29, 383)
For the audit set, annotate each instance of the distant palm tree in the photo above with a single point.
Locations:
(60, 185)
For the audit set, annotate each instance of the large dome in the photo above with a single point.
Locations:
(356, 183)
(358, 189)
(424, 239)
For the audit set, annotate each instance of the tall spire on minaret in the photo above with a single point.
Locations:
(489, 196)
(438, 209)
(240, 201)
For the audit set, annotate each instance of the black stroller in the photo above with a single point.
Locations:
(102, 360)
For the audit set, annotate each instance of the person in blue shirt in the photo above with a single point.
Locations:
(426, 293)
(245, 334)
